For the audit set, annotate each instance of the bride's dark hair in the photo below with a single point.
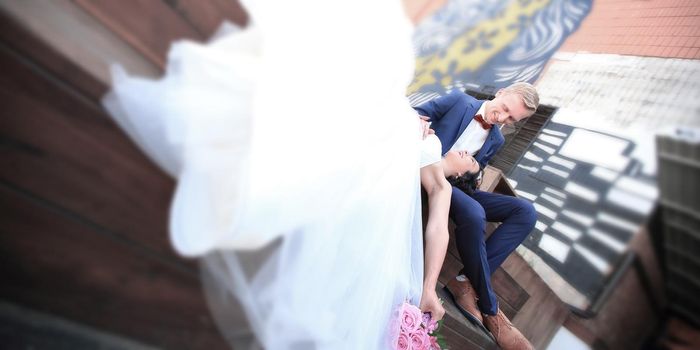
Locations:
(467, 182)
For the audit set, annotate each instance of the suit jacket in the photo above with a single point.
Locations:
(451, 114)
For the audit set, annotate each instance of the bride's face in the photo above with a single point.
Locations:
(461, 163)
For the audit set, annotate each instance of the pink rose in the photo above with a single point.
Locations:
(410, 318)
(403, 343)
(419, 340)
(434, 344)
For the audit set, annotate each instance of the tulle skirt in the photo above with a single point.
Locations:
(296, 157)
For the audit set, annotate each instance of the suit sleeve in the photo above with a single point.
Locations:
(438, 107)
(485, 161)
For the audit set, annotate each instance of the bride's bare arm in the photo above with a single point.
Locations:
(436, 235)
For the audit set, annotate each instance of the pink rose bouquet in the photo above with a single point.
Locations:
(414, 330)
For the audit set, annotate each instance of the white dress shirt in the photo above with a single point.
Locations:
(473, 137)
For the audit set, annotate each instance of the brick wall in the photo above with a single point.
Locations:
(660, 28)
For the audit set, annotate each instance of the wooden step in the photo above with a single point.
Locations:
(459, 332)
(23, 328)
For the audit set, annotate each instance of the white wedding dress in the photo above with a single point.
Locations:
(296, 156)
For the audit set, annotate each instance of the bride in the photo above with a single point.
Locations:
(296, 156)
(461, 169)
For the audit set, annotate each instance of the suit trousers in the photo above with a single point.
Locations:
(482, 257)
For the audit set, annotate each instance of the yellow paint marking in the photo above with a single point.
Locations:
(495, 31)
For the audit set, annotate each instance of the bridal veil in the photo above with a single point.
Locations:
(296, 159)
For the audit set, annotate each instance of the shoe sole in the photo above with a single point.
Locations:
(475, 321)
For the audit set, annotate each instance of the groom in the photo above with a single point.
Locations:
(463, 123)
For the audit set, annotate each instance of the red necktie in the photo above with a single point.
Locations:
(483, 123)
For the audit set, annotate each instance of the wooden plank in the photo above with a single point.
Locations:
(460, 332)
(16, 38)
(511, 295)
(681, 332)
(66, 151)
(450, 268)
(490, 227)
(148, 26)
(574, 325)
(207, 16)
(24, 328)
(61, 266)
(543, 313)
(457, 340)
(69, 43)
(490, 179)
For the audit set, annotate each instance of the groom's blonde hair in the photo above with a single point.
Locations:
(527, 92)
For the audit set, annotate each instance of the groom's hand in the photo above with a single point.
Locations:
(425, 126)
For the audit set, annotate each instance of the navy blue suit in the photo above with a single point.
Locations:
(450, 116)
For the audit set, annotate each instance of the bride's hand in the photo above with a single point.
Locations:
(425, 126)
(431, 303)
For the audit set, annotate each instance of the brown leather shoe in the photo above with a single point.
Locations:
(465, 298)
(507, 336)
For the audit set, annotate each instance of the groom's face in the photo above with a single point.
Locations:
(506, 108)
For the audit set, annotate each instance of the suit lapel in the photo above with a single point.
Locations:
(485, 149)
(471, 110)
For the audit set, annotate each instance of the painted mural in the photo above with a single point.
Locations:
(488, 43)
